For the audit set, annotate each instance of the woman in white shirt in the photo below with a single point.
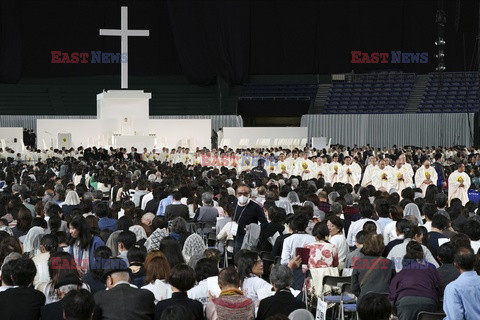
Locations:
(157, 271)
(226, 229)
(250, 270)
(298, 239)
(59, 264)
(337, 238)
(389, 233)
(48, 243)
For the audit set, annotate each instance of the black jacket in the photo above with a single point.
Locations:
(53, 311)
(283, 302)
(176, 210)
(152, 206)
(124, 302)
(182, 299)
(251, 213)
(21, 303)
(268, 230)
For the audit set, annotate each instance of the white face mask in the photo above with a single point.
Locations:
(243, 200)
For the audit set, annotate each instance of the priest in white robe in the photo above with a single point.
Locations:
(400, 177)
(233, 161)
(154, 155)
(351, 172)
(305, 167)
(335, 170)
(205, 159)
(270, 166)
(408, 166)
(282, 165)
(458, 184)
(246, 163)
(425, 176)
(368, 174)
(298, 162)
(163, 155)
(292, 163)
(381, 177)
(322, 168)
(223, 160)
(217, 160)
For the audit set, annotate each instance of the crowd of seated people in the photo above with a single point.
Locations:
(161, 236)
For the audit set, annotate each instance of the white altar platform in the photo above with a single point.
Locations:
(123, 121)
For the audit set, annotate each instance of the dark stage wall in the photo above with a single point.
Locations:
(205, 38)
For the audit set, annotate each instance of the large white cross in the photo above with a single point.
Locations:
(124, 33)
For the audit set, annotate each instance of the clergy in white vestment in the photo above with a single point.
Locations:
(425, 176)
(270, 165)
(162, 156)
(222, 160)
(170, 157)
(458, 184)
(180, 156)
(335, 170)
(189, 158)
(246, 162)
(407, 165)
(27, 156)
(400, 177)
(199, 158)
(232, 160)
(305, 167)
(351, 172)
(298, 162)
(368, 174)
(216, 161)
(50, 153)
(282, 165)
(381, 177)
(291, 163)
(322, 168)
(155, 154)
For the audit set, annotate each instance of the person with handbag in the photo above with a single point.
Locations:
(372, 272)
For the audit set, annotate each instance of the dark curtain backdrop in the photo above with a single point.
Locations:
(212, 38)
(206, 39)
(10, 41)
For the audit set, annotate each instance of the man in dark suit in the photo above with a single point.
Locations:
(66, 283)
(246, 212)
(21, 301)
(176, 209)
(133, 155)
(283, 301)
(152, 205)
(122, 301)
(440, 171)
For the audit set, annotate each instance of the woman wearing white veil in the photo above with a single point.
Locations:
(411, 209)
(31, 243)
